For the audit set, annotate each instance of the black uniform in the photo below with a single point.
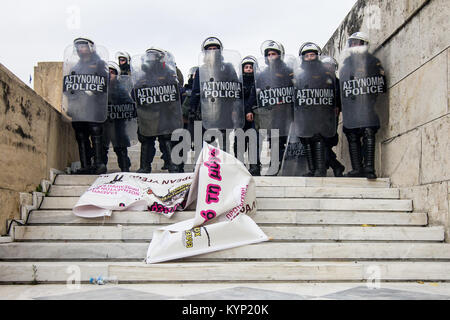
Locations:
(278, 75)
(221, 72)
(156, 119)
(80, 103)
(249, 102)
(330, 156)
(360, 118)
(115, 129)
(316, 119)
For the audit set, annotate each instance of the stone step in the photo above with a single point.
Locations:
(87, 180)
(275, 192)
(139, 272)
(260, 217)
(281, 204)
(282, 233)
(287, 251)
(156, 167)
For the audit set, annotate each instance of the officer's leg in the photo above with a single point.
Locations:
(307, 143)
(164, 155)
(319, 156)
(82, 137)
(179, 167)
(147, 153)
(354, 146)
(106, 137)
(255, 168)
(369, 153)
(225, 140)
(165, 141)
(122, 158)
(281, 150)
(121, 142)
(96, 134)
(331, 158)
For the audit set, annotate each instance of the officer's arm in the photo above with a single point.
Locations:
(195, 96)
(251, 101)
(133, 94)
(338, 96)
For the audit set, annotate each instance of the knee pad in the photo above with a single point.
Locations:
(369, 133)
(81, 135)
(353, 137)
(96, 129)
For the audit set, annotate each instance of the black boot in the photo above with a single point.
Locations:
(105, 155)
(255, 170)
(354, 146)
(122, 159)
(146, 162)
(338, 168)
(369, 153)
(310, 159)
(83, 149)
(164, 155)
(99, 166)
(172, 167)
(319, 157)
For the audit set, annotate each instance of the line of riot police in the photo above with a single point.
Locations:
(297, 100)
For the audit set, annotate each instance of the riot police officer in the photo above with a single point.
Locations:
(85, 100)
(156, 92)
(274, 93)
(248, 65)
(362, 80)
(314, 108)
(331, 158)
(124, 60)
(121, 116)
(217, 89)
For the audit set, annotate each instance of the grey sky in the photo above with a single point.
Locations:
(34, 31)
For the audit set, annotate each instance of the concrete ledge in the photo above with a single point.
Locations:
(42, 272)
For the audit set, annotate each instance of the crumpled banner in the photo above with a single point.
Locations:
(225, 193)
(162, 193)
(221, 186)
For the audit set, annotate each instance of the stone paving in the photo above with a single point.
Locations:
(241, 291)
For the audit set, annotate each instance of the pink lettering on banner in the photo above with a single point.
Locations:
(208, 215)
(213, 165)
(114, 189)
(240, 208)
(212, 193)
(157, 207)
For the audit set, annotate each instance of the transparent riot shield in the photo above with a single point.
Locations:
(274, 94)
(362, 81)
(314, 100)
(156, 93)
(221, 95)
(295, 163)
(120, 128)
(85, 84)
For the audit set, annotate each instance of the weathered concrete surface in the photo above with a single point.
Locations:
(48, 82)
(33, 139)
(411, 39)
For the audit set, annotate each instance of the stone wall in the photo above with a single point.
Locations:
(33, 139)
(48, 82)
(411, 38)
